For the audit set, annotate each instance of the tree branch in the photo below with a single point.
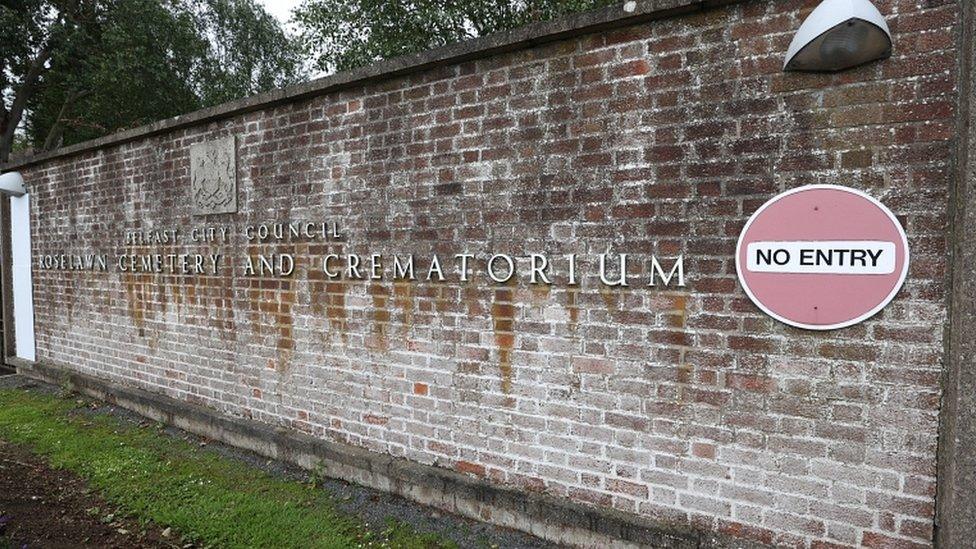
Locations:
(22, 95)
(53, 138)
(26, 89)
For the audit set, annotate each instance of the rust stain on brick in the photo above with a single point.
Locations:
(540, 293)
(403, 298)
(444, 299)
(611, 298)
(213, 298)
(68, 296)
(335, 306)
(503, 324)
(160, 286)
(679, 317)
(191, 294)
(380, 316)
(284, 321)
(225, 320)
(172, 287)
(137, 287)
(328, 296)
(133, 290)
(572, 297)
(271, 306)
(473, 300)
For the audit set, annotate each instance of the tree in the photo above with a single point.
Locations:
(32, 30)
(134, 62)
(345, 34)
(83, 68)
(249, 52)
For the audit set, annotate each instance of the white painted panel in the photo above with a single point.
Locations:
(23, 293)
(822, 257)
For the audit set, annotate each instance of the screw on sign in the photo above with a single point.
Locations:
(822, 257)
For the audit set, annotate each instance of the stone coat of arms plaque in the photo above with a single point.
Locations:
(213, 176)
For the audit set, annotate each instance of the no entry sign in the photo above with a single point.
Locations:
(822, 257)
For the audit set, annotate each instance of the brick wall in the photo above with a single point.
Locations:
(679, 404)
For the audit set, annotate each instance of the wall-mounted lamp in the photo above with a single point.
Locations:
(838, 35)
(12, 184)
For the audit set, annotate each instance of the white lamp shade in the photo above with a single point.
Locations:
(838, 35)
(12, 184)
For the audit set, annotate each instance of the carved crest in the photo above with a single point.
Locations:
(213, 176)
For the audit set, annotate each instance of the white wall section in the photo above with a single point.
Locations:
(23, 293)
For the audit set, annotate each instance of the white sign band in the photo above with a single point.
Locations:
(844, 257)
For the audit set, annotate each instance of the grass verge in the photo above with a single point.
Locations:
(209, 499)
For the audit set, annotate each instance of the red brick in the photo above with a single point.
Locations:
(470, 468)
(661, 137)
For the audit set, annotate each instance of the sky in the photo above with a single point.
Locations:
(281, 9)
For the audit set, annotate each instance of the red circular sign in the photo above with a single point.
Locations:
(822, 257)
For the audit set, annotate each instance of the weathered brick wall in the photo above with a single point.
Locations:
(682, 404)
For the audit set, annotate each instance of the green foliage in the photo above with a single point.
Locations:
(317, 475)
(209, 499)
(21, 144)
(344, 34)
(31, 30)
(249, 52)
(116, 64)
(135, 62)
(74, 70)
(23, 24)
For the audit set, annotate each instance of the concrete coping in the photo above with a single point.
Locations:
(618, 15)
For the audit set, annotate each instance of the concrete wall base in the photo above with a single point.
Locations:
(541, 515)
(955, 524)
